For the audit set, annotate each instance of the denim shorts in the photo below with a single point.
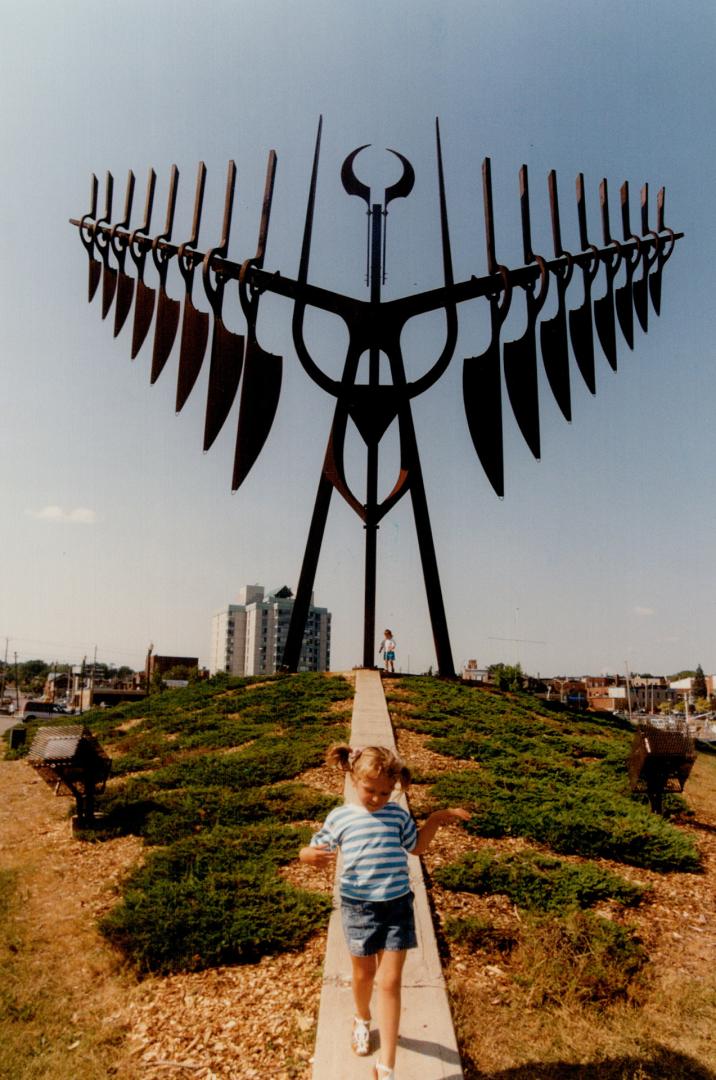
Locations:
(373, 925)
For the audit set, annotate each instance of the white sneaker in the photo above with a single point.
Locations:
(360, 1039)
(382, 1072)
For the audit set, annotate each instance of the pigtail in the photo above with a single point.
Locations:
(404, 777)
(339, 756)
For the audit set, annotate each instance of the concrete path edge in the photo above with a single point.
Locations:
(427, 1048)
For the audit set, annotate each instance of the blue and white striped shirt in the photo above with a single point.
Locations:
(374, 846)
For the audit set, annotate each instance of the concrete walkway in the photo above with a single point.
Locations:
(427, 1048)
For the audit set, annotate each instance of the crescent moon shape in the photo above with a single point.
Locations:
(350, 181)
(401, 188)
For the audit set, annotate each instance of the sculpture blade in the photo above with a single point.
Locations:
(521, 382)
(260, 391)
(143, 312)
(640, 291)
(194, 338)
(165, 332)
(482, 395)
(109, 284)
(125, 295)
(606, 328)
(95, 273)
(580, 330)
(227, 355)
(555, 356)
(655, 288)
(625, 311)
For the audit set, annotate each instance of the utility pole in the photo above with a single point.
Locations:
(4, 671)
(17, 687)
(628, 690)
(94, 665)
(82, 684)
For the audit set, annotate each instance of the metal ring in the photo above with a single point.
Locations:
(593, 269)
(569, 268)
(666, 254)
(504, 306)
(637, 256)
(544, 279)
(616, 244)
(88, 241)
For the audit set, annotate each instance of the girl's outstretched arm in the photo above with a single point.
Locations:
(430, 826)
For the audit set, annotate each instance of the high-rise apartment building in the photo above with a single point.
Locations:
(248, 638)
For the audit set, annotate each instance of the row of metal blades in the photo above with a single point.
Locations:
(638, 261)
(231, 354)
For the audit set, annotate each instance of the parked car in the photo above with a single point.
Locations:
(42, 710)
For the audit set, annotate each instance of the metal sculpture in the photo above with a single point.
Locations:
(374, 328)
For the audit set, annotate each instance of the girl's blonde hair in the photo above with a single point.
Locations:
(369, 761)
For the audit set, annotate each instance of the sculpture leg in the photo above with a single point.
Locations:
(297, 625)
(426, 546)
(371, 542)
(371, 539)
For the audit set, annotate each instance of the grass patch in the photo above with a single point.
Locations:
(8, 884)
(552, 777)
(537, 882)
(580, 959)
(577, 960)
(214, 900)
(475, 933)
(41, 1034)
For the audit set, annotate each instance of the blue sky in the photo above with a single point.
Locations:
(118, 531)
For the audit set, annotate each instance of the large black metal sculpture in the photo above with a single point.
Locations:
(374, 328)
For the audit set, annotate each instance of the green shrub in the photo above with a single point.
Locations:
(556, 778)
(211, 894)
(214, 900)
(163, 816)
(538, 882)
(269, 759)
(217, 715)
(572, 819)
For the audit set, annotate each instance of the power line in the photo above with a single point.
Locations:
(524, 641)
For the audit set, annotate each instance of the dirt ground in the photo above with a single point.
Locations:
(259, 1020)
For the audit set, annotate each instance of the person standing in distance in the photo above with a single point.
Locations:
(387, 649)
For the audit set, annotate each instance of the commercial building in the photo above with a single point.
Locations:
(248, 638)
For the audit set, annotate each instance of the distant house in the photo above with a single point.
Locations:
(58, 685)
(472, 673)
(162, 664)
(570, 692)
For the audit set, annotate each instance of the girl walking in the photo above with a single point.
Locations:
(375, 836)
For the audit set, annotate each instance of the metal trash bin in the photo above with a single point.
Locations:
(660, 760)
(70, 759)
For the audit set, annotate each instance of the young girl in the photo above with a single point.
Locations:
(374, 836)
(387, 648)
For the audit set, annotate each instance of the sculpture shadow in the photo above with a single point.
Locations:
(429, 1049)
(664, 1064)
